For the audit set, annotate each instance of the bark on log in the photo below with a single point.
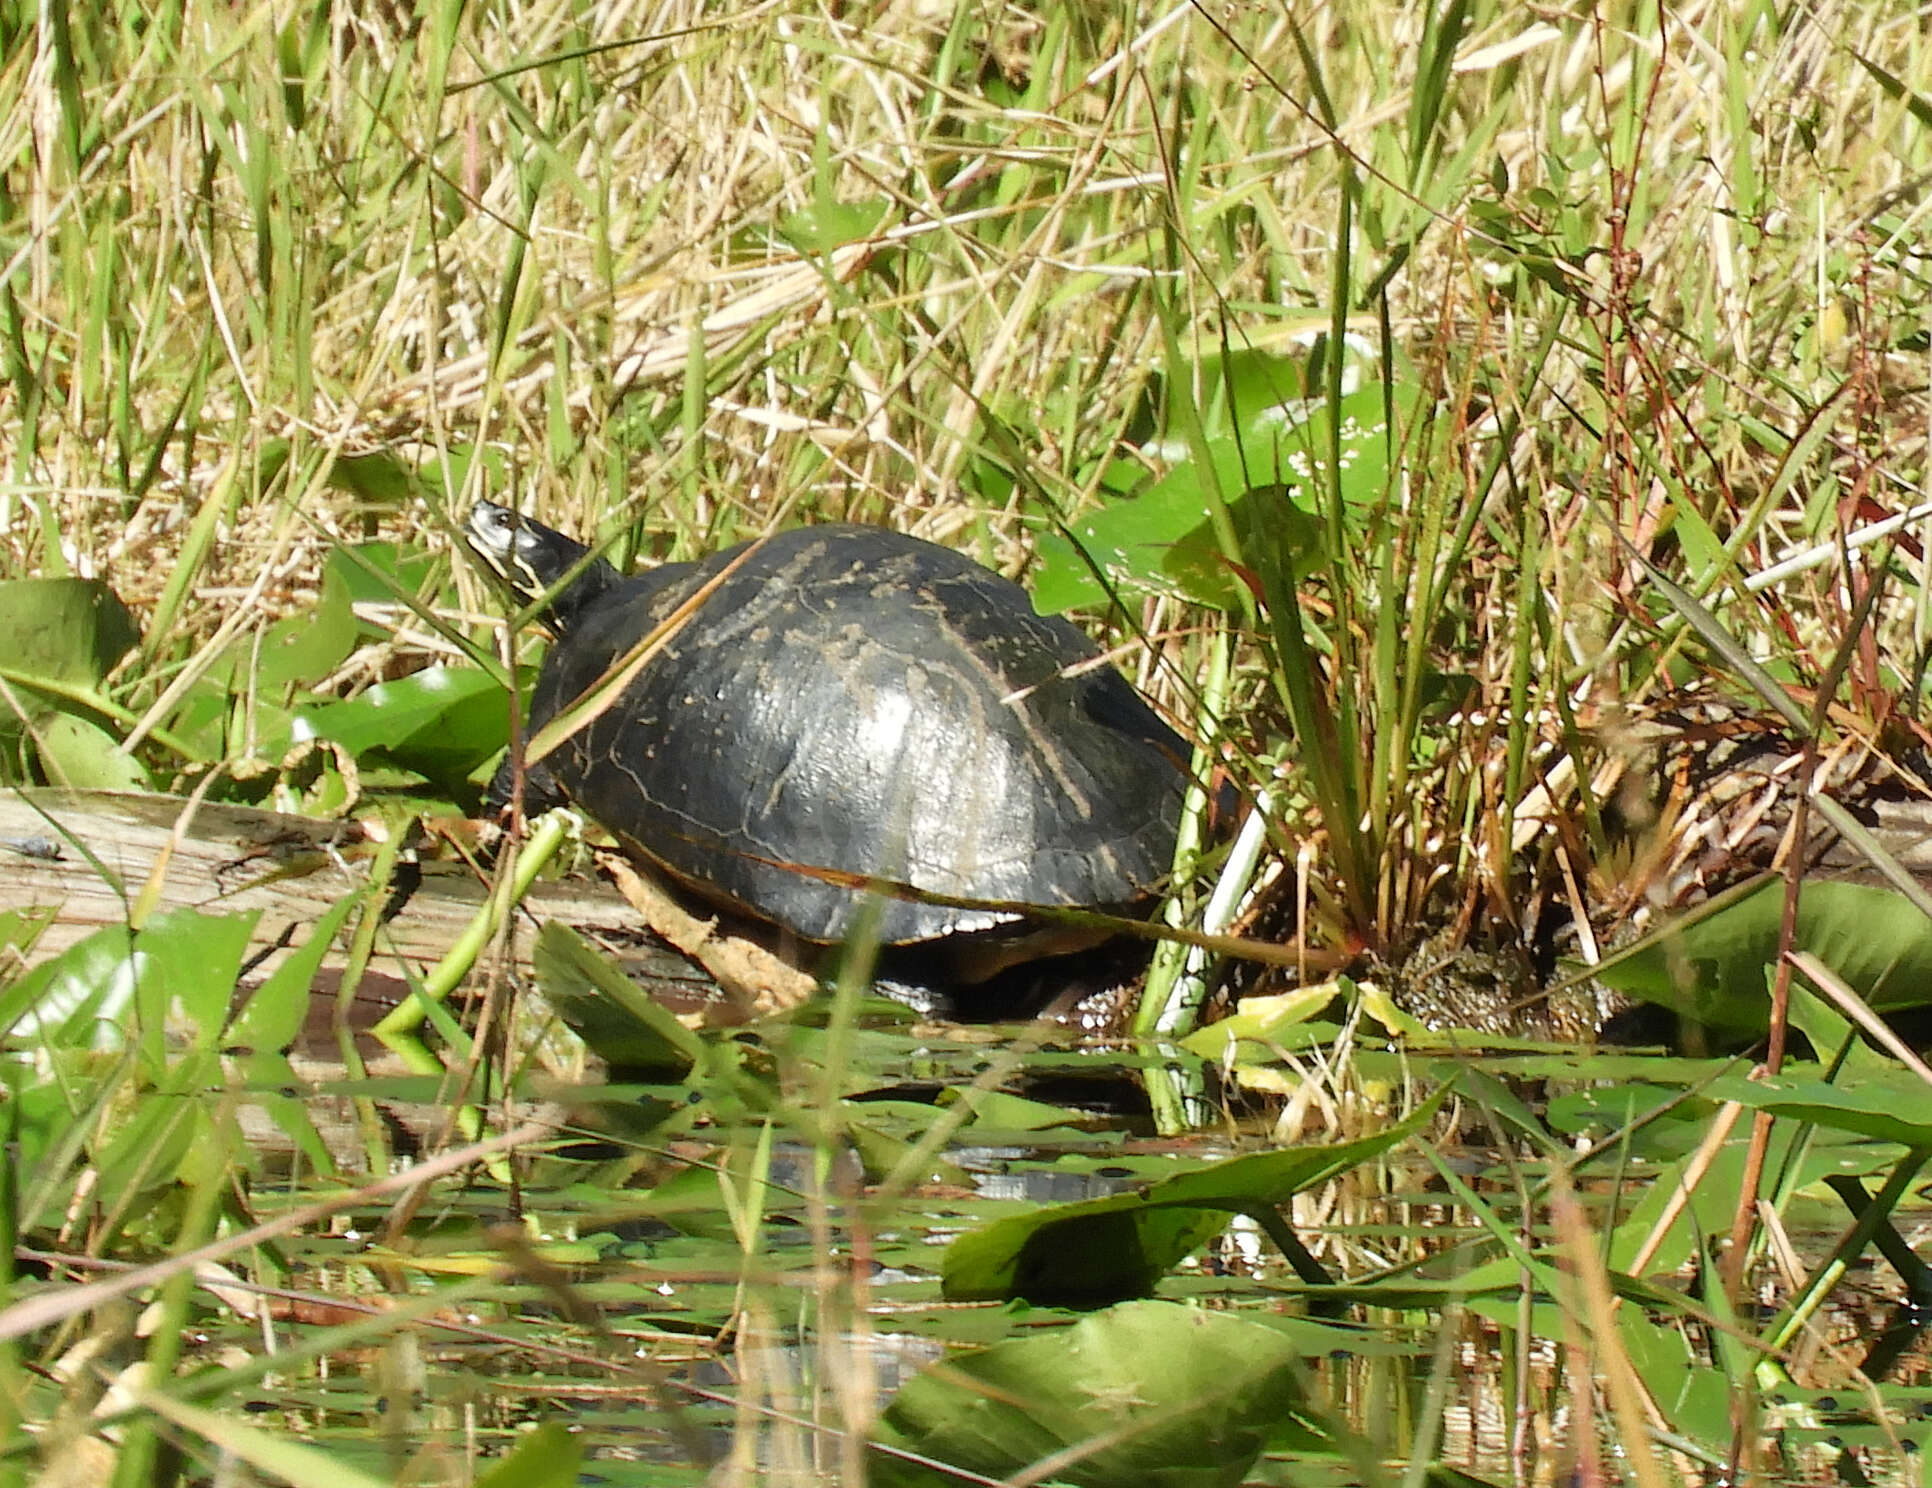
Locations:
(89, 855)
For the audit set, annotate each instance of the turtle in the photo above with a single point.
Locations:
(850, 715)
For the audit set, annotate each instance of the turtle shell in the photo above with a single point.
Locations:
(850, 710)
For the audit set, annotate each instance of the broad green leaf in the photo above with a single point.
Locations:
(145, 1155)
(201, 722)
(276, 1010)
(66, 630)
(827, 225)
(376, 477)
(1241, 391)
(881, 1152)
(450, 479)
(1160, 541)
(1271, 475)
(549, 1457)
(19, 930)
(1895, 1109)
(1698, 1212)
(441, 722)
(69, 633)
(80, 754)
(40, 1114)
(1696, 1399)
(1084, 1254)
(378, 572)
(1153, 1394)
(189, 961)
(1714, 969)
(1102, 1250)
(997, 1108)
(301, 648)
(113, 985)
(693, 1201)
(613, 1015)
(1261, 1025)
(76, 1000)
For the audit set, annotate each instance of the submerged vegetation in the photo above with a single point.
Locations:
(1495, 437)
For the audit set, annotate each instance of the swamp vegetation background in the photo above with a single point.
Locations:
(1419, 396)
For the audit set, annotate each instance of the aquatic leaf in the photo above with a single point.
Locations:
(441, 722)
(1695, 1398)
(66, 630)
(188, 963)
(19, 930)
(1103, 1250)
(1007, 1112)
(549, 1457)
(695, 1201)
(832, 224)
(301, 648)
(1161, 541)
(80, 754)
(1271, 476)
(451, 478)
(1696, 1209)
(76, 1000)
(376, 477)
(68, 633)
(1894, 1109)
(275, 1011)
(1714, 970)
(144, 1155)
(115, 984)
(378, 572)
(881, 1152)
(617, 1019)
(38, 1112)
(1262, 1025)
(1149, 1393)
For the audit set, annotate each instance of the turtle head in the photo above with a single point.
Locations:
(539, 560)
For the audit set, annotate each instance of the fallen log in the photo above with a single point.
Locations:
(90, 856)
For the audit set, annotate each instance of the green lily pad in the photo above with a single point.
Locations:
(1103, 1250)
(1714, 969)
(1149, 1393)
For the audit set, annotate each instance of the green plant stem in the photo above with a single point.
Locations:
(1850, 1246)
(1170, 1002)
(86, 697)
(138, 1465)
(547, 836)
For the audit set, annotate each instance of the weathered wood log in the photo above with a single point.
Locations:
(89, 856)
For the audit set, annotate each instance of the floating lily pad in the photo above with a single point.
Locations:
(1149, 1393)
(1103, 1250)
(1714, 970)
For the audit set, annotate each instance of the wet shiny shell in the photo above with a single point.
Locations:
(854, 702)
